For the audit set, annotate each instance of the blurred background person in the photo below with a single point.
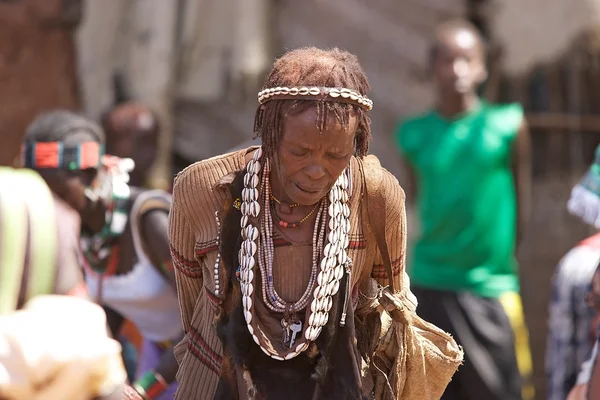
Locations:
(573, 322)
(124, 229)
(469, 161)
(132, 131)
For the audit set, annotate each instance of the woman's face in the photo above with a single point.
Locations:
(309, 161)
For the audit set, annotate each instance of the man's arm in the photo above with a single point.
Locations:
(69, 276)
(154, 230)
(521, 165)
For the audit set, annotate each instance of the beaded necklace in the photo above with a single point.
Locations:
(292, 225)
(333, 264)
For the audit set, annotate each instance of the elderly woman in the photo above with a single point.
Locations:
(126, 252)
(278, 244)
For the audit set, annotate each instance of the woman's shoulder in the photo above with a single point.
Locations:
(380, 180)
(202, 176)
(196, 189)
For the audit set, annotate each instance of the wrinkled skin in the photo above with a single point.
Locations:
(306, 167)
(309, 161)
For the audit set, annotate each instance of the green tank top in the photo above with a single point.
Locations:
(466, 199)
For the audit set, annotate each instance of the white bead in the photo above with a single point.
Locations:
(217, 287)
(324, 264)
(291, 355)
(247, 302)
(308, 333)
(329, 250)
(256, 339)
(301, 347)
(346, 210)
(265, 351)
(331, 262)
(248, 316)
(314, 305)
(276, 357)
(254, 209)
(329, 304)
(250, 329)
(339, 273)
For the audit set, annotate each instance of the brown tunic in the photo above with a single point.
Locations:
(193, 232)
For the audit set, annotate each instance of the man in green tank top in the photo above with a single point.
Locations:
(469, 166)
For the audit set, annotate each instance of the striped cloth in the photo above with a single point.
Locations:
(569, 344)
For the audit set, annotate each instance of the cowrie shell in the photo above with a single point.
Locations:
(291, 355)
(301, 347)
(254, 209)
(334, 93)
(314, 91)
(303, 91)
(247, 302)
(267, 352)
(313, 305)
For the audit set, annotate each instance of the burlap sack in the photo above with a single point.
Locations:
(429, 357)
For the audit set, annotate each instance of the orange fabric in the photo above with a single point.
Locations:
(47, 155)
(89, 155)
(132, 334)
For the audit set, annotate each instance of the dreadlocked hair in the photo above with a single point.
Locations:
(310, 66)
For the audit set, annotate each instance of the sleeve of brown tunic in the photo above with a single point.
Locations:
(182, 240)
(395, 232)
(388, 357)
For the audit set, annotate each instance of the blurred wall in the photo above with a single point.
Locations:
(37, 65)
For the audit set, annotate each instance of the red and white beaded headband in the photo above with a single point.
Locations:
(341, 95)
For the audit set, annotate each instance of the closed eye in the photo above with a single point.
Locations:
(299, 152)
(337, 156)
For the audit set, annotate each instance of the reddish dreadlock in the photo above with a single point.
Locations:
(310, 66)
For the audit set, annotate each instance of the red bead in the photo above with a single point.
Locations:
(283, 224)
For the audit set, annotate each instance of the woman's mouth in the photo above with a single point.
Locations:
(308, 190)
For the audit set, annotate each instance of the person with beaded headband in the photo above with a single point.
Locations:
(276, 244)
(126, 257)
